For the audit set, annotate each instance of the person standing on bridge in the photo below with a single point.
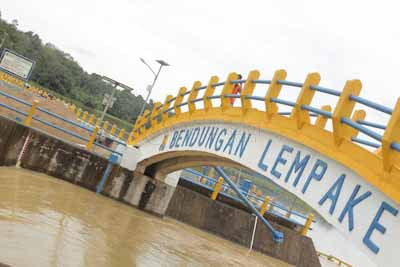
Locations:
(237, 89)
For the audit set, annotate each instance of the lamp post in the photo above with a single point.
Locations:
(150, 88)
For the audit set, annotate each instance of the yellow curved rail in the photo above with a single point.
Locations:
(380, 168)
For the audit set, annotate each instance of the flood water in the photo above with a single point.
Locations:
(48, 222)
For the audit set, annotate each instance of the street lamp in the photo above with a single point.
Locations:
(150, 87)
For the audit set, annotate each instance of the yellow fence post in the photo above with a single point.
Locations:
(264, 206)
(78, 112)
(131, 139)
(307, 225)
(98, 122)
(135, 131)
(92, 138)
(320, 122)
(227, 90)
(91, 118)
(344, 108)
(178, 101)
(154, 113)
(164, 113)
(144, 120)
(273, 91)
(105, 126)
(209, 92)
(304, 98)
(349, 132)
(84, 115)
(113, 129)
(121, 134)
(217, 188)
(248, 90)
(32, 111)
(193, 95)
(391, 134)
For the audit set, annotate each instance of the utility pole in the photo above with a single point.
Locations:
(110, 100)
(3, 39)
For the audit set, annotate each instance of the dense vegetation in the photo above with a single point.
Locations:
(59, 72)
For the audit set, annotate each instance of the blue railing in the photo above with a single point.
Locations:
(36, 118)
(358, 125)
(225, 187)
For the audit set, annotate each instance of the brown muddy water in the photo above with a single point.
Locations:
(48, 222)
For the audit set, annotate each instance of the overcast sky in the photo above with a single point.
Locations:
(339, 39)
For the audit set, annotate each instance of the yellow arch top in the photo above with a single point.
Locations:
(380, 168)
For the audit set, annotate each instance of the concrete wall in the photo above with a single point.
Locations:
(71, 163)
(237, 225)
(64, 160)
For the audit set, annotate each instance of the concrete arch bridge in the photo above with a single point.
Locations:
(349, 172)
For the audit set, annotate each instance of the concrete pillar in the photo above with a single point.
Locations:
(151, 195)
(172, 179)
(130, 157)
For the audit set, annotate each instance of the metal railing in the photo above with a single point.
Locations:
(81, 115)
(47, 123)
(361, 126)
(285, 212)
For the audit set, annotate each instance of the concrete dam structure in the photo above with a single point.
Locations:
(348, 173)
(65, 161)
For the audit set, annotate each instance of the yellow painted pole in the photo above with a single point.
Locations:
(121, 134)
(264, 206)
(78, 112)
(113, 129)
(98, 122)
(32, 111)
(217, 188)
(308, 224)
(92, 138)
(84, 115)
(91, 118)
(105, 126)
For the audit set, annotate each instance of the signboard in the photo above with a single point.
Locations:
(108, 100)
(363, 214)
(16, 65)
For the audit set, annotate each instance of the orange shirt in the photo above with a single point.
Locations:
(236, 90)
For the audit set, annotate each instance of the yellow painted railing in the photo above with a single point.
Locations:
(84, 116)
(381, 167)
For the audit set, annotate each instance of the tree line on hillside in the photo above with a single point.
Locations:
(59, 72)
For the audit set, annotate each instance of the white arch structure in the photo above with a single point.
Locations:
(354, 189)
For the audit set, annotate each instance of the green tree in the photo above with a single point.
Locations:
(59, 72)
